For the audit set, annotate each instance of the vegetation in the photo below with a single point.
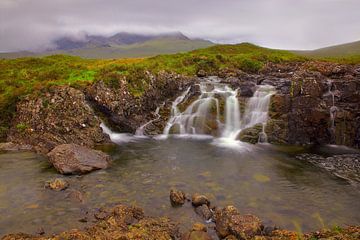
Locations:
(348, 50)
(19, 77)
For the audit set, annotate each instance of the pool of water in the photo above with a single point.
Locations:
(264, 180)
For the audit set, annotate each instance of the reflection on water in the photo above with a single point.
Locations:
(263, 180)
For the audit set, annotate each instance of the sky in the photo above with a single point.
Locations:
(285, 24)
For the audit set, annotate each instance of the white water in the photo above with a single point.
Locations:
(202, 116)
(141, 129)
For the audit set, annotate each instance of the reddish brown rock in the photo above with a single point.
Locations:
(75, 159)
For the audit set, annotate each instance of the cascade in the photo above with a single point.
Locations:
(203, 115)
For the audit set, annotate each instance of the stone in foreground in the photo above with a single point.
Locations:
(76, 159)
(57, 184)
(230, 222)
(177, 198)
(198, 200)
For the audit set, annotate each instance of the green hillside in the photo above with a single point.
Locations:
(146, 49)
(343, 50)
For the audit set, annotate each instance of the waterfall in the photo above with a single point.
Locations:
(203, 115)
(205, 111)
(333, 109)
(141, 129)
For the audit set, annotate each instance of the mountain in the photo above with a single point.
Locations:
(342, 50)
(120, 45)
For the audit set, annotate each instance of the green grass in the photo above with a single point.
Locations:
(22, 76)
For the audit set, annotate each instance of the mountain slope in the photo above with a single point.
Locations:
(342, 50)
(121, 45)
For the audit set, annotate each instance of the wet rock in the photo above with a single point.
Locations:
(230, 222)
(75, 159)
(198, 232)
(204, 212)
(57, 184)
(198, 200)
(201, 73)
(251, 135)
(177, 197)
(9, 146)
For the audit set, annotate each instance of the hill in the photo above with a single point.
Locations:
(120, 45)
(342, 50)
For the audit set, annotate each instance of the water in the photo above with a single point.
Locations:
(142, 128)
(260, 179)
(217, 112)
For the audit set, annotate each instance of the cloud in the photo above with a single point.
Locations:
(289, 24)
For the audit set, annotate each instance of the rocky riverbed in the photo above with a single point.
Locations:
(130, 222)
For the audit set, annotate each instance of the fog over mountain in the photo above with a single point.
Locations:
(287, 24)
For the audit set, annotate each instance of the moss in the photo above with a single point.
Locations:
(21, 127)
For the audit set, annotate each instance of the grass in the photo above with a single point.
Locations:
(22, 76)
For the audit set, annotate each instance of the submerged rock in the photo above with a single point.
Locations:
(230, 222)
(57, 184)
(76, 159)
(177, 198)
(198, 232)
(198, 200)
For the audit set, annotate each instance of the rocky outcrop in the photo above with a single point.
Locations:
(76, 159)
(124, 111)
(315, 103)
(198, 199)
(59, 116)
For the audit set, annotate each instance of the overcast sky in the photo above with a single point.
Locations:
(286, 24)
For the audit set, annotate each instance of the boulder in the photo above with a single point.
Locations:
(230, 222)
(76, 159)
(198, 200)
(204, 212)
(177, 198)
(57, 184)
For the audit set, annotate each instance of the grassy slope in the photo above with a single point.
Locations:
(146, 49)
(19, 77)
(348, 49)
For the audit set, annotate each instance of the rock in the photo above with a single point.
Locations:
(9, 146)
(198, 200)
(76, 159)
(199, 227)
(198, 232)
(56, 117)
(204, 211)
(251, 135)
(201, 73)
(76, 196)
(57, 184)
(230, 222)
(177, 198)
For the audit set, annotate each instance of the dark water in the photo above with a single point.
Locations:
(263, 180)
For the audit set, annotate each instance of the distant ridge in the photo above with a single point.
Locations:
(120, 45)
(341, 50)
